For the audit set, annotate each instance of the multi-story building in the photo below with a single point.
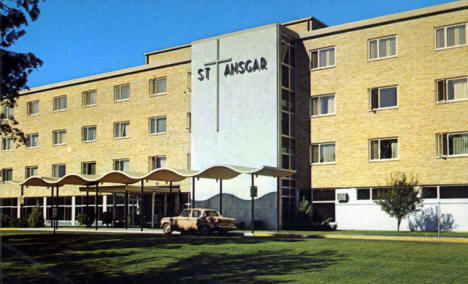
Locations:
(345, 106)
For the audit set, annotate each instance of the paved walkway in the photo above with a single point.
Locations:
(256, 234)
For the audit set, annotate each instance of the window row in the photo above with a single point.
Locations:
(87, 168)
(386, 47)
(157, 125)
(157, 86)
(448, 145)
(447, 90)
(427, 192)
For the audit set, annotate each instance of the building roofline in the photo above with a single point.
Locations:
(303, 20)
(402, 16)
(106, 75)
(168, 49)
(189, 44)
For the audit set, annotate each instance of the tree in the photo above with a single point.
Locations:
(36, 219)
(15, 67)
(401, 198)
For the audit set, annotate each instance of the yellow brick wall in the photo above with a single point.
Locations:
(169, 55)
(175, 144)
(416, 120)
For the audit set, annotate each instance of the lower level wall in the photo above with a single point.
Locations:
(240, 209)
(367, 215)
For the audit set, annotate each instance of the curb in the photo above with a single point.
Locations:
(263, 235)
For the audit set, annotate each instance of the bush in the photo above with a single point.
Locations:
(427, 221)
(6, 220)
(22, 222)
(85, 219)
(36, 219)
(107, 218)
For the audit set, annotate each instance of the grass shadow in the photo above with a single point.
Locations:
(81, 258)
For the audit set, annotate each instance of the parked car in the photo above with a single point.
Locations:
(204, 221)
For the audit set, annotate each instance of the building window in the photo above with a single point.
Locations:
(383, 149)
(157, 162)
(363, 193)
(58, 170)
(452, 89)
(60, 103)
(8, 112)
(33, 108)
(122, 92)
(7, 175)
(378, 192)
(322, 105)
(122, 165)
(450, 36)
(7, 144)
(157, 125)
(429, 192)
(382, 47)
(158, 86)
(88, 133)
(452, 144)
(323, 153)
(59, 137)
(89, 98)
(188, 121)
(122, 129)
(33, 140)
(322, 58)
(449, 192)
(88, 168)
(385, 97)
(31, 171)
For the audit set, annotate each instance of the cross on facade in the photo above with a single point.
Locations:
(217, 62)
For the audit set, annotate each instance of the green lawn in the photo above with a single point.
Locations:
(61, 258)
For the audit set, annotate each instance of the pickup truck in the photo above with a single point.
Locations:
(204, 221)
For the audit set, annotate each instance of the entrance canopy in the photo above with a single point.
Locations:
(133, 189)
(163, 174)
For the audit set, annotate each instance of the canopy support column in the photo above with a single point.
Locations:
(141, 205)
(152, 210)
(97, 207)
(21, 204)
(114, 199)
(253, 208)
(57, 209)
(126, 210)
(221, 196)
(193, 192)
(51, 215)
(278, 204)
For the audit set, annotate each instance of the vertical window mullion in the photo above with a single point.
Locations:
(378, 143)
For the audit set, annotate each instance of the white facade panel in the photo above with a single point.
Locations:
(367, 215)
(248, 107)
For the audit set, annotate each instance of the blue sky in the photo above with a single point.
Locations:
(77, 38)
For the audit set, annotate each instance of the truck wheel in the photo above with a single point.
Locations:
(205, 231)
(167, 228)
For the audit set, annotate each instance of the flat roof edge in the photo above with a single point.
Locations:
(106, 75)
(236, 33)
(312, 18)
(168, 49)
(458, 5)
